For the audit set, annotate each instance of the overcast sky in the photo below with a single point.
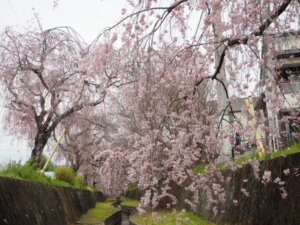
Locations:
(87, 17)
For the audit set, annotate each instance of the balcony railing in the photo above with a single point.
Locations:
(290, 87)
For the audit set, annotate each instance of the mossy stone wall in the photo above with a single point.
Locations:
(264, 205)
(30, 203)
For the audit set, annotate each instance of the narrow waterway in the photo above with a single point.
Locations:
(124, 219)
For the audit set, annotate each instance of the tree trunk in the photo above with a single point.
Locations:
(75, 167)
(266, 123)
(39, 145)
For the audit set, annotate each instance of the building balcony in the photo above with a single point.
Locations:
(290, 87)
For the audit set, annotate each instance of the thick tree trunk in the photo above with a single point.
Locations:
(39, 145)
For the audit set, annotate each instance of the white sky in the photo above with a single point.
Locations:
(87, 17)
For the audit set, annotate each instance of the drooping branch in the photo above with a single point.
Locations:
(244, 40)
(73, 109)
(168, 10)
(276, 13)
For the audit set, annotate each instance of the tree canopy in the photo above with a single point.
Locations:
(166, 77)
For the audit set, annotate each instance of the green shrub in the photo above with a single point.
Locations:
(66, 174)
(132, 186)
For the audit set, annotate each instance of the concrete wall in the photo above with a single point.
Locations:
(114, 218)
(30, 203)
(264, 205)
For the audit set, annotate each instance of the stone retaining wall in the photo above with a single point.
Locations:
(30, 203)
(263, 206)
(114, 218)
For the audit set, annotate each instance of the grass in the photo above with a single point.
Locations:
(26, 172)
(132, 187)
(129, 202)
(295, 148)
(89, 188)
(98, 214)
(254, 155)
(169, 218)
(201, 169)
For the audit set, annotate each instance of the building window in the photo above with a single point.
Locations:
(289, 76)
(290, 72)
